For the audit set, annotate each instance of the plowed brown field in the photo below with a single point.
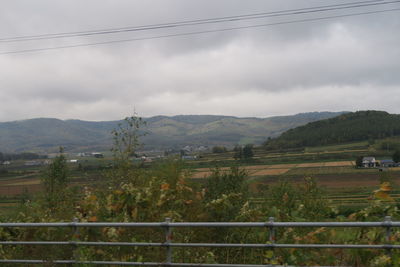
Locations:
(270, 172)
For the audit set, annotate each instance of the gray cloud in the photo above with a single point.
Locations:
(339, 64)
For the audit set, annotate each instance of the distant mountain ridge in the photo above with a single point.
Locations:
(349, 127)
(47, 134)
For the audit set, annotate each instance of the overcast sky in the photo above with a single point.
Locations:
(349, 63)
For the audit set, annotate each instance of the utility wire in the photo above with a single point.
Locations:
(289, 12)
(198, 32)
(186, 23)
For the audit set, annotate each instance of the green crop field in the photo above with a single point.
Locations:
(363, 146)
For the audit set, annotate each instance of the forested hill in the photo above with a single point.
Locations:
(349, 127)
(46, 135)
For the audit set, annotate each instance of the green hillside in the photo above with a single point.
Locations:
(46, 135)
(349, 127)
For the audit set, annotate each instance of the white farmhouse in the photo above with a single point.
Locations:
(368, 162)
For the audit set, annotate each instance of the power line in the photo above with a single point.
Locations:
(199, 32)
(185, 23)
(289, 12)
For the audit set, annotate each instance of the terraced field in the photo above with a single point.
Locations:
(333, 168)
(274, 169)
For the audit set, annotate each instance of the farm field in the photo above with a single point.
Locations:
(262, 157)
(279, 169)
(21, 182)
(345, 185)
(333, 168)
(335, 177)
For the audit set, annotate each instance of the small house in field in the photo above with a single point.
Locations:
(32, 163)
(189, 157)
(388, 163)
(97, 155)
(368, 162)
(84, 154)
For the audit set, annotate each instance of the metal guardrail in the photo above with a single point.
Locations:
(271, 225)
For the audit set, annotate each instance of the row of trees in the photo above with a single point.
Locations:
(245, 152)
(17, 156)
(239, 152)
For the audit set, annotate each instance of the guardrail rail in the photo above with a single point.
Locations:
(167, 225)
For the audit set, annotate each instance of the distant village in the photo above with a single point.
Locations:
(186, 153)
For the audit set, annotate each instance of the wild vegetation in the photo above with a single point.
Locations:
(130, 193)
(165, 191)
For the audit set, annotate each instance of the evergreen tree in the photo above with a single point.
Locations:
(359, 161)
(219, 149)
(248, 151)
(238, 152)
(396, 156)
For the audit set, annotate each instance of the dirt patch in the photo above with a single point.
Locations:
(282, 166)
(307, 165)
(256, 170)
(256, 167)
(201, 174)
(326, 164)
(333, 181)
(14, 190)
(269, 172)
(339, 163)
(8, 204)
(27, 182)
(16, 180)
(210, 169)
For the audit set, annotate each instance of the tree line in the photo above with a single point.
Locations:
(19, 156)
(349, 127)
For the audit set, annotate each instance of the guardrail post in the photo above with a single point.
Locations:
(272, 237)
(388, 223)
(271, 230)
(168, 239)
(75, 236)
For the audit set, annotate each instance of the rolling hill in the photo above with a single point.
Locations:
(46, 135)
(349, 127)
